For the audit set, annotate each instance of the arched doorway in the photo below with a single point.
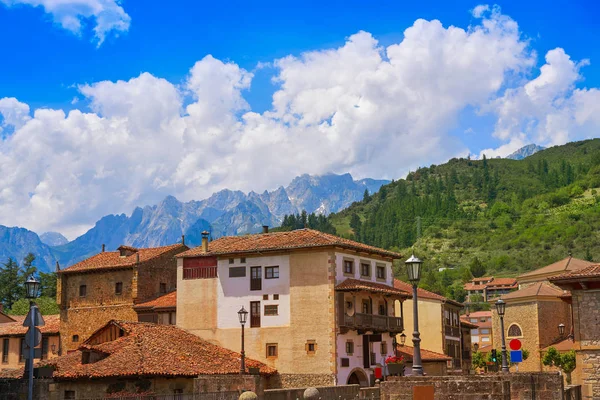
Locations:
(358, 377)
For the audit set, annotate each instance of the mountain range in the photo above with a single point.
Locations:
(226, 212)
(525, 152)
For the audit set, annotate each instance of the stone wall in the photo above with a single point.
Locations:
(302, 380)
(551, 314)
(327, 392)
(546, 386)
(230, 383)
(16, 389)
(586, 314)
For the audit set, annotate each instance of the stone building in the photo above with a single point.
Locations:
(434, 364)
(160, 310)
(108, 285)
(489, 287)
(321, 308)
(584, 285)
(565, 265)
(439, 325)
(12, 340)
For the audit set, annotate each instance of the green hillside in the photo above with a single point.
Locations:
(511, 215)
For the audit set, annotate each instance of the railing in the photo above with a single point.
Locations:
(199, 272)
(232, 395)
(452, 331)
(572, 392)
(381, 323)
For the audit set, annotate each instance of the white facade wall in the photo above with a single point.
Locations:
(233, 293)
(339, 270)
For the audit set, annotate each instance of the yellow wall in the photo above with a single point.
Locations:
(430, 324)
(13, 351)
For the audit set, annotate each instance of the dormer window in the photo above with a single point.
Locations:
(91, 356)
(126, 251)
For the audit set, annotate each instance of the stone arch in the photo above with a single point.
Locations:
(514, 330)
(358, 377)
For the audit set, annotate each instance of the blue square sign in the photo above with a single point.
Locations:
(516, 356)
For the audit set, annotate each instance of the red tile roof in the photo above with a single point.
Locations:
(52, 323)
(592, 271)
(422, 293)
(469, 324)
(355, 284)
(168, 300)
(478, 324)
(495, 283)
(113, 259)
(562, 346)
(536, 289)
(480, 314)
(151, 349)
(564, 265)
(277, 241)
(426, 355)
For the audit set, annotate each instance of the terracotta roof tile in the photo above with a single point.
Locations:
(469, 324)
(496, 283)
(297, 239)
(52, 323)
(480, 314)
(592, 271)
(355, 284)
(426, 355)
(536, 289)
(422, 293)
(168, 300)
(563, 345)
(112, 259)
(151, 349)
(564, 265)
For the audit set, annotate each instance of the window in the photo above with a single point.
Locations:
(45, 347)
(265, 297)
(5, 350)
(255, 278)
(485, 339)
(383, 347)
(75, 338)
(69, 395)
(349, 347)
(311, 347)
(381, 309)
(380, 272)
(237, 272)
(82, 290)
(271, 350)
(177, 394)
(255, 314)
(272, 310)
(514, 330)
(163, 287)
(366, 309)
(474, 320)
(119, 288)
(474, 331)
(485, 331)
(275, 297)
(21, 349)
(349, 267)
(231, 260)
(345, 362)
(243, 260)
(365, 269)
(271, 272)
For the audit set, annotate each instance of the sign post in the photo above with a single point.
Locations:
(516, 354)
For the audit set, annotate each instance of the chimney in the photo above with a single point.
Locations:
(183, 240)
(204, 241)
(265, 228)
(57, 267)
(137, 258)
(103, 247)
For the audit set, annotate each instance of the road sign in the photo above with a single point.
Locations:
(37, 317)
(515, 344)
(37, 337)
(516, 356)
(37, 352)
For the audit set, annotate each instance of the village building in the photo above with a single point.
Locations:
(481, 336)
(160, 310)
(584, 285)
(565, 265)
(439, 326)
(12, 340)
(108, 285)
(323, 310)
(489, 288)
(434, 364)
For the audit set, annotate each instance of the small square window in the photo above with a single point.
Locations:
(275, 297)
(163, 288)
(311, 347)
(271, 272)
(365, 269)
(348, 267)
(272, 310)
(345, 362)
(271, 350)
(350, 348)
(69, 395)
(119, 288)
(231, 260)
(243, 260)
(380, 272)
(265, 297)
(82, 290)
(75, 338)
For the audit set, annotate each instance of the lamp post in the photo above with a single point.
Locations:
(561, 330)
(402, 339)
(501, 308)
(32, 287)
(413, 268)
(476, 346)
(243, 315)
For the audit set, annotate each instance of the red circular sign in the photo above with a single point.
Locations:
(515, 344)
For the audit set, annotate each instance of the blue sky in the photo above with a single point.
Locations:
(136, 75)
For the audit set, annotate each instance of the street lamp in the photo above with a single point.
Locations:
(413, 269)
(243, 315)
(501, 308)
(476, 346)
(561, 330)
(402, 339)
(32, 287)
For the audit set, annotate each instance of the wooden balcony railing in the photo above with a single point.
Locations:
(452, 331)
(199, 272)
(379, 323)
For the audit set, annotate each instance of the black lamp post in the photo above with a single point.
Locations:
(413, 268)
(476, 346)
(243, 315)
(32, 287)
(561, 330)
(501, 308)
(402, 339)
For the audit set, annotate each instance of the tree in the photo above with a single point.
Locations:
(477, 268)
(478, 360)
(48, 284)
(46, 305)
(366, 196)
(564, 361)
(11, 286)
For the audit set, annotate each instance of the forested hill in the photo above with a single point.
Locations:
(512, 215)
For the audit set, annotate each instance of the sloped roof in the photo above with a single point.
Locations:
(113, 259)
(562, 346)
(168, 300)
(426, 355)
(52, 324)
(478, 324)
(274, 241)
(564, 265)
(351, 284)
(469, 324)
(480, 314)
(424, 294)
(148, 349)
(536, 289)
(501, 283)
(592, 271)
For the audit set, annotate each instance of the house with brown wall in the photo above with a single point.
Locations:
(160, 310)
(322, 309)
(108, 285)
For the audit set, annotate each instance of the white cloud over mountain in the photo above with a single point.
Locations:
(359, 108)
(107, 15)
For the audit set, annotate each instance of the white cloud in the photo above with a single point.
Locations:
(13, 113)
(479, 10)
(108, 16)
(359, 108)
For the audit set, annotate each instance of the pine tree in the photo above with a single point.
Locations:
(11, 283)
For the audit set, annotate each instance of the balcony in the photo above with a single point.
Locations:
(372, 322)
(453, 331)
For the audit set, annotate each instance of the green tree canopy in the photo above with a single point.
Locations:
(477, 268)
(563, 361)
(46, 305)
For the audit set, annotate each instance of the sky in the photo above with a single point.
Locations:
(106, 105)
